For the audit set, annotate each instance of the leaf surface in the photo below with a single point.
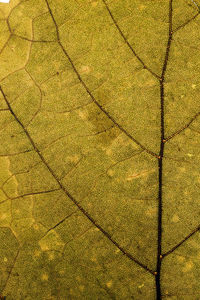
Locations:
(99, 152)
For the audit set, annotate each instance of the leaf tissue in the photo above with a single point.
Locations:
(99, 149)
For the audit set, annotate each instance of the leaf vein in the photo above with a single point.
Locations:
(85, 213)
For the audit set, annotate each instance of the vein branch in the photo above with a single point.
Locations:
(91, 95)
(62, 187)
(59, 223)
(30, 40)
(186, 22)
(183, 128)
(127, 42)
(182, 241)
(10, 272)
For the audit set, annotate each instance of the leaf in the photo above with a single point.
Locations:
(99, 149)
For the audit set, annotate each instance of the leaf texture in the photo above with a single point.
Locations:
(99, 151)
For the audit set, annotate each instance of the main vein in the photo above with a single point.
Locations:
(161, 153)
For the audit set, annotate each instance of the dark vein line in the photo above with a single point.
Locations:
(85, 213)
(60, 222)
(160, 160)
(183, 128)
(187, 22)
(11, 11)
(197, 6)
(13, 154)
(90, 94)
(128, 44)
(35, 193)
(32, 41)
(10, 272)
(4, 201)
(4, 109)
(75, 238)
(181, 242)
(5, 44)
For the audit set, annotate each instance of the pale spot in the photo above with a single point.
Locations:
(180, 258)
(51, 256)
(35, 226)
(81, 288)
(78, 278)
(166, 292)
(109, 228)
(83, 115)
(109, 284)
(45, 277)
(182, 169)
(85, 69)
(117, 251)
(150, 82)
(190, 155)
(12, 184)
(5, 259)
(71, 291)
(120, 140)
(37, 253)
(111, 173)
(182, 96)
(51, 241)
(20, 14)
(94, 259)
(188, 266)
(141, 286)
(90, 206)
(66, 114)
(142, 7)
(74, 158)
(4, 216)
(137, 175)
(151, 212)
(44, 247)
(98, 75)
(109, 152)
(175, 218)
(94, 3)
(194, 86)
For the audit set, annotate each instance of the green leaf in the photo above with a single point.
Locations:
(99, 152)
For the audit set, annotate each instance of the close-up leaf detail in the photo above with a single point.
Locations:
(99, 149)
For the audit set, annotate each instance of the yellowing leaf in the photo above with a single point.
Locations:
(99, 149)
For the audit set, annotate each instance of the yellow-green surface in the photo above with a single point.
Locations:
(80, 137)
